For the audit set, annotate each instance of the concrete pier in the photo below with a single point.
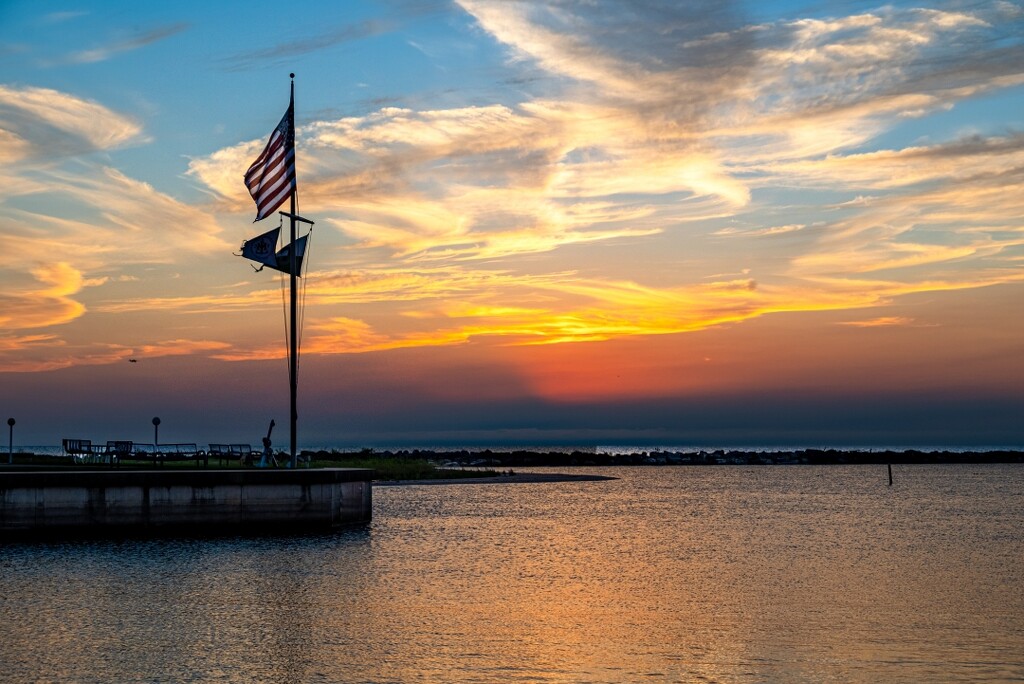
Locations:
(200, 501)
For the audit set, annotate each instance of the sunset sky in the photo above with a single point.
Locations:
(566, 222)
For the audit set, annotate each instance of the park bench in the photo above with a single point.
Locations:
(117, 450)
(143, 452)
(161, 453)
(84, 451)
(231, 452)
(182, 452)
(80, 450)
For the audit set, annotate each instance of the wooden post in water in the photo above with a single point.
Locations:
(890, 474)
(10, 443)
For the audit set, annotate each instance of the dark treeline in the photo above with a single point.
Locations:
(527, 458)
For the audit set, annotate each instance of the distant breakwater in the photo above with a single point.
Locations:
(607, 456)
(540, 458)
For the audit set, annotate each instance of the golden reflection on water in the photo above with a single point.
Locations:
(668, 574)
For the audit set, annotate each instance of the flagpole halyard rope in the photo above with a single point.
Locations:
(298, 346)
(302, 300)
(303, 269)
(284, 314)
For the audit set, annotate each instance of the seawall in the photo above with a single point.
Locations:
(200, 501)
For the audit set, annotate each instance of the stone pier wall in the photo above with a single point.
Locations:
(205, 501)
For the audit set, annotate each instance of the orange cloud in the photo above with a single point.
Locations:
(48, 353)
(12, 343)
(47, 306)
(179, 348)
(883, 321)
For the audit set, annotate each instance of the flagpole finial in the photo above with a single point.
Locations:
(291, 75)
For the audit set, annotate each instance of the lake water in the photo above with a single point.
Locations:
(718, 574)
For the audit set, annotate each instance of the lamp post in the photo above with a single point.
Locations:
(10, 443)
(156, 431)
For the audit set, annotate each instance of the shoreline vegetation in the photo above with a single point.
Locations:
(425, 465)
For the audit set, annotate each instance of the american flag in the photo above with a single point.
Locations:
(271, 178)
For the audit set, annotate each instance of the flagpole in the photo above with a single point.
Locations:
(293, 364)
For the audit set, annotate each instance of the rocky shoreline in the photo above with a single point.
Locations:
(537, 458)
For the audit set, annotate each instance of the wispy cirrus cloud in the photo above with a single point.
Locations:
(953, 207)
(957, 160)
(101, 53)
(398, 14)
(880, 322)
(280, 52)
(638, 53)
(760, 232)
(180, 347)
(41, 124)
(61, 17)
(119, 221)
